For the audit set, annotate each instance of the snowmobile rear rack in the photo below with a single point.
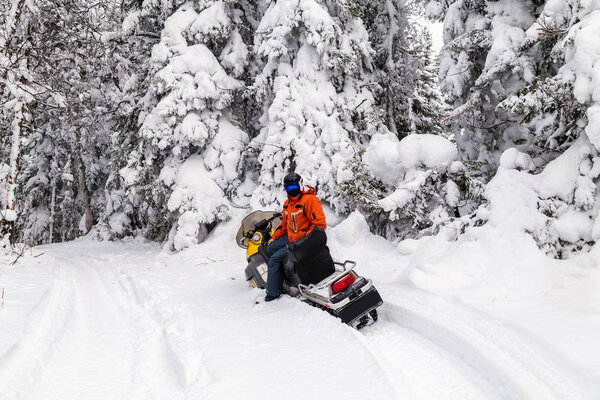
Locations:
(346, 267)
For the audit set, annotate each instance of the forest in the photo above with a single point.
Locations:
(158, 118)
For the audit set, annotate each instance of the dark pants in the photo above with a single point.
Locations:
(276, 251)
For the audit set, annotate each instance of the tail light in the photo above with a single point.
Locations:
(343, 283)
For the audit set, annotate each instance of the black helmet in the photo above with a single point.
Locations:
(292, 184)
(292, 177)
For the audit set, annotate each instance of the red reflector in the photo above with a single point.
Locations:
(343, 283)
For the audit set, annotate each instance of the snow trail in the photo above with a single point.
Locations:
(517, 368)
(22, 364)
(94, 336)
(431, 370)
(129, 321)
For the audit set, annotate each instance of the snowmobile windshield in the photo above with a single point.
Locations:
(249, 223)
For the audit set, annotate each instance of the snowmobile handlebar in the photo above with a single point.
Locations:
(262, 225)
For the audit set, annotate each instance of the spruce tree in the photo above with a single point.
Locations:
(428, 110)
(315, 81)
(185, 153)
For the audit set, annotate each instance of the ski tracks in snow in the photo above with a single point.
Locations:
(466, 354)
(98, 334)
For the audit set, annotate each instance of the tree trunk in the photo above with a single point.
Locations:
(11, 23)
(15, 150)
(390, 114)
(85, 197)
(52, 208)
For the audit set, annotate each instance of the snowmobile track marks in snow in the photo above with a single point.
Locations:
(167, 324)
(431, 370)
(502, 356)
(23, 364)
(98, 333)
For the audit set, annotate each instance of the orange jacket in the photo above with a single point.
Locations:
(301, 214)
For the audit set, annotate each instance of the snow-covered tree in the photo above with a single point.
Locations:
(560, 107)
(187, 132)
(428, 110)
(314, 81)
(30, 96)
(430, 184)
(532, 92)
(64, 156)
(16, 94)
(480, 66)
(395, 68)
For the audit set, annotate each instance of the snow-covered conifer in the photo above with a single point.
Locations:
(430, 183)
(527, 85)
(480, 66)
(395, 67)
(186, 133)
(428, 110)
(559, 107)
(69, 123)
(314, 81)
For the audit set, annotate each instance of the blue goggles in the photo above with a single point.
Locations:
(291, 187)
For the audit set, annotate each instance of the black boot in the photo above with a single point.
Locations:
(271, 298)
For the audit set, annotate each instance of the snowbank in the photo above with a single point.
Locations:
(502, 268)
(198, 199)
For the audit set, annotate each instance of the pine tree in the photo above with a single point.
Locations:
(314, 80)
(428, 110)
(186, 126)
(66, 150)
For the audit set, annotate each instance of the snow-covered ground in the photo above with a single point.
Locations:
(461, 320)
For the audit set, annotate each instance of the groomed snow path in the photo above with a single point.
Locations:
(89, 320)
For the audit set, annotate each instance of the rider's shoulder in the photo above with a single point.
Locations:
(309, 191)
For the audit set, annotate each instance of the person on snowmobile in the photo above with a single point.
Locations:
(302, 212)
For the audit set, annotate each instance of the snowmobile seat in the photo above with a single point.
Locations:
(317, 268)
(307, 247)
(309, 260)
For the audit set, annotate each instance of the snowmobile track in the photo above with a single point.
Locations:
(170, 321)
(23, 364)
(431, 371)
(503, 357)
(92, 315)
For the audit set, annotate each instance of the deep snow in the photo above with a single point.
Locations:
(471, 319)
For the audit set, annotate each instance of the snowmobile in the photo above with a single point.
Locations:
(309, 271)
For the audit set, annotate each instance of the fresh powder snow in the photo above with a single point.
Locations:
(486, 317)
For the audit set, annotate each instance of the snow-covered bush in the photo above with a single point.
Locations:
(429, 183)
(558, 207)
